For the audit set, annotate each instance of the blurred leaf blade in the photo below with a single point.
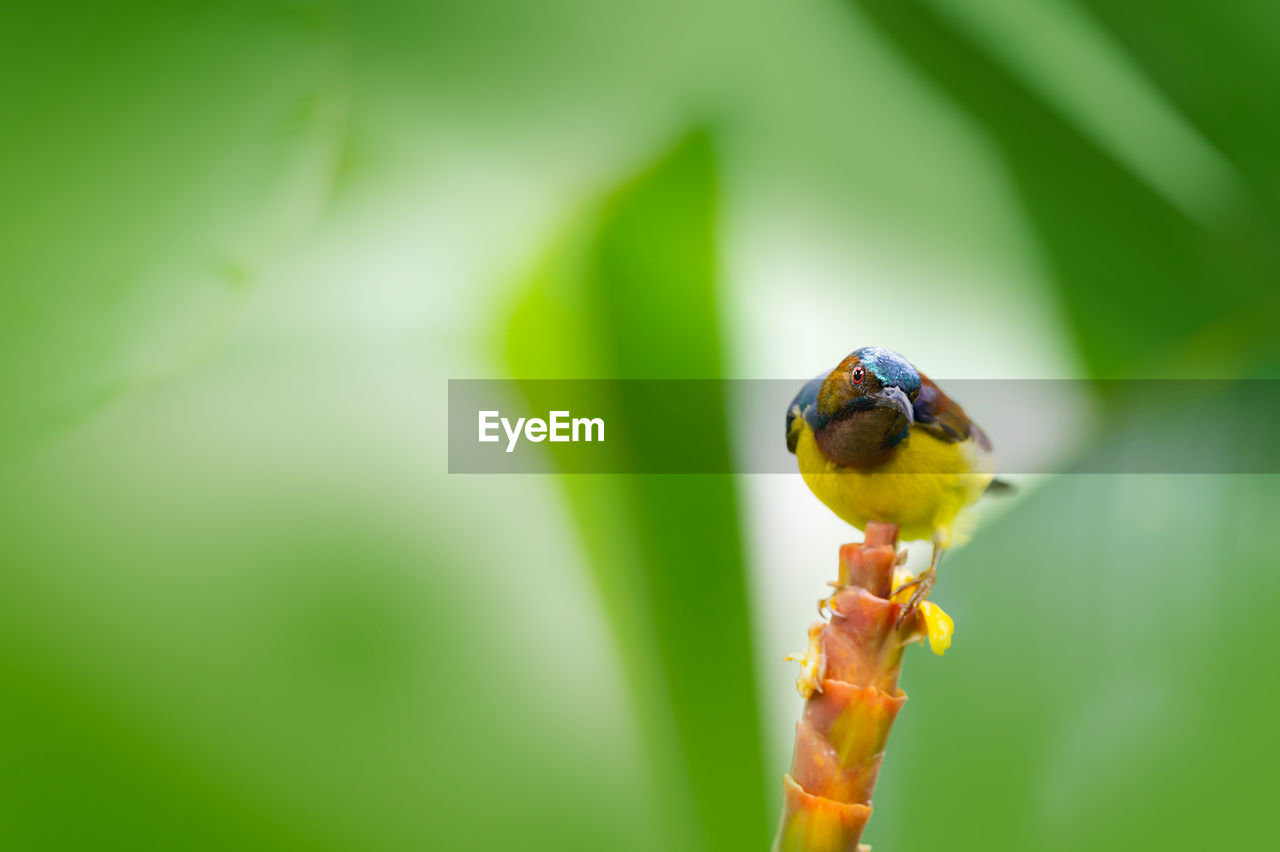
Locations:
(1106, 234)
(1216, 63)
(632, 295)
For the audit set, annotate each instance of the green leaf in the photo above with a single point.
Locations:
(631, 294)
(1142, 283)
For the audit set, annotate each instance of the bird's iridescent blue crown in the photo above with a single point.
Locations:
(890, 368)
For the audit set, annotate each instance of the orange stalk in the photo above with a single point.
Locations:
(850, 683)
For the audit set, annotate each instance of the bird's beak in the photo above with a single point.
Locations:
(892, 396)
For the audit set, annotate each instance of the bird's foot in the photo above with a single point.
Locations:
(921, 587)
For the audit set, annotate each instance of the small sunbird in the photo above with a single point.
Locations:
(876, 440)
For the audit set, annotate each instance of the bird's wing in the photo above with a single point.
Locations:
(804, 404)
(939, 414)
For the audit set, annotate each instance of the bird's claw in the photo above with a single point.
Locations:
(922, 585)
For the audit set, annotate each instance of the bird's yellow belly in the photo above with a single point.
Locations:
(922, 489)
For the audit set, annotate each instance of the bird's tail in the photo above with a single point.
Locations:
(1001, 487)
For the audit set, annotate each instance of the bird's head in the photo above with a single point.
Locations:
(864, 407)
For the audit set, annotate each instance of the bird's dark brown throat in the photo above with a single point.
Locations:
(862, 439)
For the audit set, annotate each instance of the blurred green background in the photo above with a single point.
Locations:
(242, 604)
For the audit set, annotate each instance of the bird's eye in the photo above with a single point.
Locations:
(858, 374)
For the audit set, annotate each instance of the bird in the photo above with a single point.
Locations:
(877, 440)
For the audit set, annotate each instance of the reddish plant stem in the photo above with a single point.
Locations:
(852, 668)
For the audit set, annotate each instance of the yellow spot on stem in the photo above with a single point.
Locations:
(813, 664)
(900, 579)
